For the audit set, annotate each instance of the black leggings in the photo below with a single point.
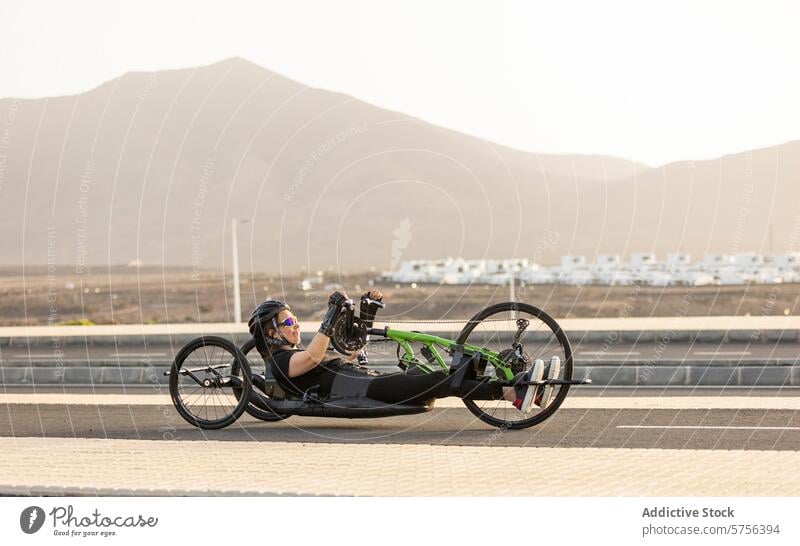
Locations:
(401, 388)
(396, 388)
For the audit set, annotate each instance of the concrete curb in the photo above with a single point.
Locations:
(76, 491)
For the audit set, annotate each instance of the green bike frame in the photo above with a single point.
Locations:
(405, 339)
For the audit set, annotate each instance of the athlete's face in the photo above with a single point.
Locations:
(289, 327)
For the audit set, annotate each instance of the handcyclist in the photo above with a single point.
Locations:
(310, 371)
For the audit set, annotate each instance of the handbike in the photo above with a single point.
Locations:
(212, 384)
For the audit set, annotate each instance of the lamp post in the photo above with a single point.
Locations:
(237, 297)
(512, 296)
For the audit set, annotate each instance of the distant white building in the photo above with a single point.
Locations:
(539, 275)
(576, 277)
(573, 262)
(727, 277)
(613, 277)
(677, 261)
(606, 269)
(766, 275)
(711, 261)
(789, 260)
(657, 278)
(310, 282)
(747, 259)
(606, 262)
(641, 260)
(692, 278)
(787, 265)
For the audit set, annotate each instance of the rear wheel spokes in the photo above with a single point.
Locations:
(214, 399)
(205, 397)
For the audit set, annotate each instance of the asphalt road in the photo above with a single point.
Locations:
(717, 429)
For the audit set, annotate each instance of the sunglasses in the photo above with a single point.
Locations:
(289, 322)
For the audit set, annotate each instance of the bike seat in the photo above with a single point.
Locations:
(285, 385)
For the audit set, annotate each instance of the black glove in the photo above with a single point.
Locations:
(337, 298)
(335, 303)
(369, 308)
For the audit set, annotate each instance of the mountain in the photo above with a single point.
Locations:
(154, 166)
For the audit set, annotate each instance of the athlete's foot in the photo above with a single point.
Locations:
(544, 393)
(527, 393)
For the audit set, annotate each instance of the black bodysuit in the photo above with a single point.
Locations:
(395, 388)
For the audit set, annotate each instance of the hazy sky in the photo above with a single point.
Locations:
(655, 82)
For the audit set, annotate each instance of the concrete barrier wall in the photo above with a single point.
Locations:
(602, 371)
(776, 373)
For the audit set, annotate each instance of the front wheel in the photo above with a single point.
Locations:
(539, 337)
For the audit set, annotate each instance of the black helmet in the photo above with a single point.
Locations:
(265, 313)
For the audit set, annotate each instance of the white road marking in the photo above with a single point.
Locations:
(123, 357)
(67, 358)
(138, 354)
(722, 353)
(705, 427)
(693, 402)
(609, 353)
(161, 397)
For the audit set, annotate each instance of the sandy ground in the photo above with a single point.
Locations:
(155, 295)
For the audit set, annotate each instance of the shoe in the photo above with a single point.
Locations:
(544, 393)
(526, 393)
